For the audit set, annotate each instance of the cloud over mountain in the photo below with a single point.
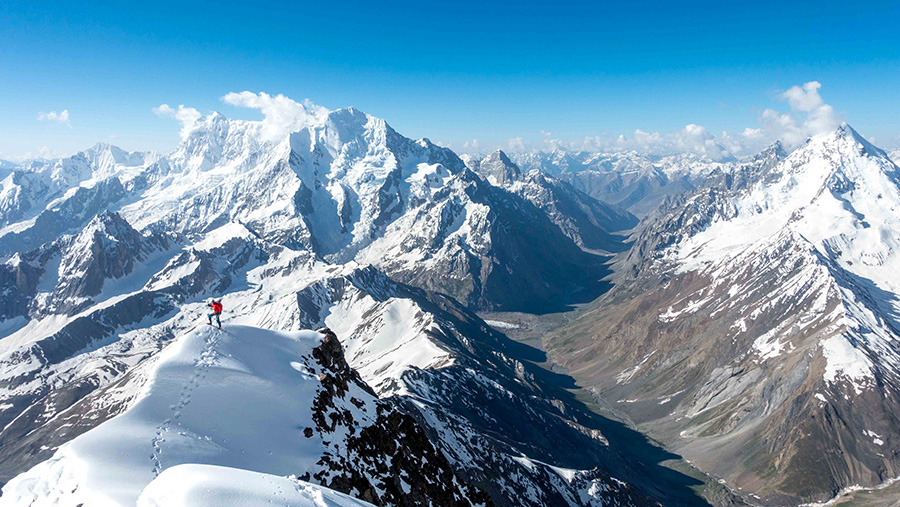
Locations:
(61, 117)
(809, 116)
(280, 113)
(188, 116)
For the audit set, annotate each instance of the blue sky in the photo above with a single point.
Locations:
(450, 71)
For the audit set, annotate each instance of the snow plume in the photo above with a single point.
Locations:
(188, 116)
(281, 114)
(61, 117)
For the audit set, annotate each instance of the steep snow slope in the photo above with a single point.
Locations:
(213, 486)
(756, 327)
(68, 377)
(293, 407)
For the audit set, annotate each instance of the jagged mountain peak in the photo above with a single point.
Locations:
(107, 248)
(342, 124)
(774, 152)
(501, 156)
(109, 227)
(108, 222)
(498, 169)
(844, 140)
(845, 131)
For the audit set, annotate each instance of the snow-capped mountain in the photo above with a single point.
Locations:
(755, 329)
(343, 184)
(590, 223)
(107, 268)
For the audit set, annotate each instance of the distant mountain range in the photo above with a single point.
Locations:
(742, 313)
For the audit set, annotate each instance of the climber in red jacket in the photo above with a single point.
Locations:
(216, 311)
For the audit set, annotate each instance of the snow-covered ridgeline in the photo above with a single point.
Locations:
(388, 336)
(290, 406)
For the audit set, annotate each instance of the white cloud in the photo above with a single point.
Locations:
(809, 116)
(804, 98)
(690, 139)
(188, 116)
(280, 114)
(61, 117)
(554, 144)
(821, 118)
(42, 153)
(517, 144)
(471, 145)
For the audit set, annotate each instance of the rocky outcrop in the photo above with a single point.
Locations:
(391, 462)
(498, 419)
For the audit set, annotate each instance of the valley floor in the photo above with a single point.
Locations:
(528, 330)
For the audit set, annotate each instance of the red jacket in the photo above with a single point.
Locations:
(216, 306)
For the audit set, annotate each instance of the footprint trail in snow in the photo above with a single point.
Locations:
(206, 359)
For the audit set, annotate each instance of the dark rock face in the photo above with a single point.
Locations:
(583, 219)
(776, 428)
(499, 169)
(487, 407)
(19, 279)
(512, 271)
(107, 249)
(74, 268)
(393, 461)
